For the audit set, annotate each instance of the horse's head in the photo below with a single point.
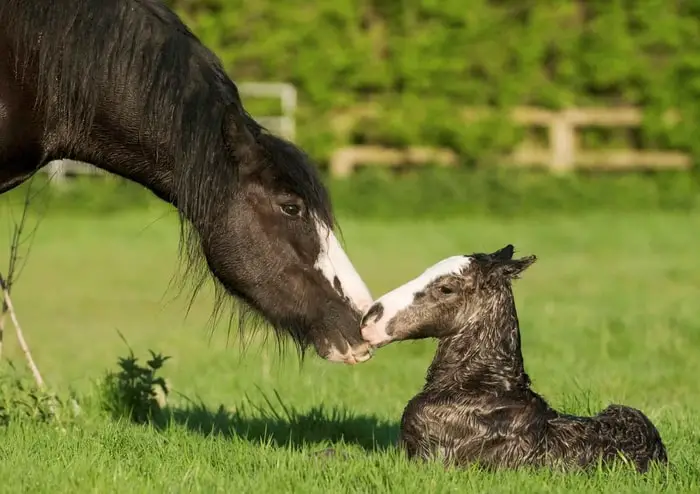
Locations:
(454, 294)
(274, 246)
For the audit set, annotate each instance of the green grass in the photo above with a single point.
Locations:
(609, 314)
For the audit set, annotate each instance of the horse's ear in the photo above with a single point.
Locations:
(238, 137)
(511, 268)
(504, 254)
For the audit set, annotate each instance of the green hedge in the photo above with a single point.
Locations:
(420, 193)
(444, 193)
(418, 61)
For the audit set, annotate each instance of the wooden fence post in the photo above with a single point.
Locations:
(562, 142)
(57, 172)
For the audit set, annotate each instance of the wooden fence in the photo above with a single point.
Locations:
(562, 154)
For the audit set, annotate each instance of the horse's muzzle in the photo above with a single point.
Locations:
(358, 354)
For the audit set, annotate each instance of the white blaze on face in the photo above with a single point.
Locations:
(336, 267)
(388, 305)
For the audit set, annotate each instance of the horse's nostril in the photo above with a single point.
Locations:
(376, 311)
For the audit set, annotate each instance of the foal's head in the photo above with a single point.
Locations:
(448, 297)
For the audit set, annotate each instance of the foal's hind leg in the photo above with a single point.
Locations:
(628, 431)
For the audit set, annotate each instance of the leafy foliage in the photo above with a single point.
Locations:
(20, 399)
(133, 391)
(415, 63)
(440, 194)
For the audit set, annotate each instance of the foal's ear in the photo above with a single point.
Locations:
(238, 137)
(512, 268)
(504, 254)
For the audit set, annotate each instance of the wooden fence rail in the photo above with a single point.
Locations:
(563, 153)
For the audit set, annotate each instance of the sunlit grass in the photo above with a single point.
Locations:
(608, 314)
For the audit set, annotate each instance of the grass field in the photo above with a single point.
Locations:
(609, 314)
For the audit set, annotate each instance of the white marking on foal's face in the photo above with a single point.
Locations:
(336, 267)
(386, 307)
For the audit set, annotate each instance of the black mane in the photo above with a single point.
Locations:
(91, 51)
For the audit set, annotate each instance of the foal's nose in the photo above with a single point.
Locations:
(377, 310)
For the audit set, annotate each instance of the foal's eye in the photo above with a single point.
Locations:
(291, 209)
(446, 290)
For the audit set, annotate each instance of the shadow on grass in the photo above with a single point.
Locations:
(285, 426)
(137, 392)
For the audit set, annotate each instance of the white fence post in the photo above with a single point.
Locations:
(57, 171)
(283, 124)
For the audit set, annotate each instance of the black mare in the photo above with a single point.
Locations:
(124, 85)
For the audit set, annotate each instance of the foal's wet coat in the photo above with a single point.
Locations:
(477, 405)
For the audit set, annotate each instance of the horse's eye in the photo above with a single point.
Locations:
(446, 290)
(291, 209)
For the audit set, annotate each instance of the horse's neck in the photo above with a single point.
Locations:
(484, 355)
(119, 144)
(158, 137)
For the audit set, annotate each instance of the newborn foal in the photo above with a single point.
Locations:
(477, 405)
